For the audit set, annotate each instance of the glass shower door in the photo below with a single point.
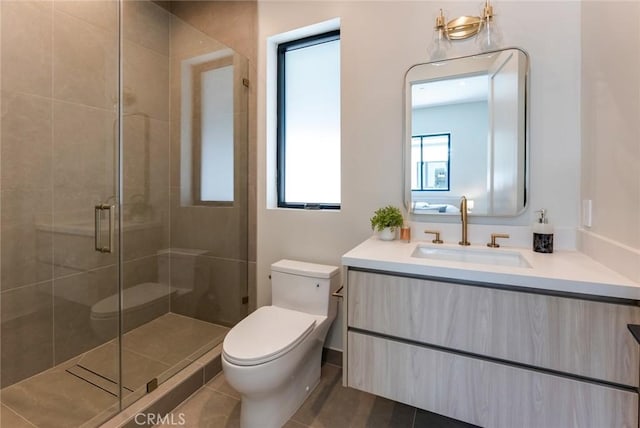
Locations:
(59, 282)
(184, 252)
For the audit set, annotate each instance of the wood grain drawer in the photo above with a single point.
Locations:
(483, 392)
(580, 337)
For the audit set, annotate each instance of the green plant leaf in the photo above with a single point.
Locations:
(388, 216)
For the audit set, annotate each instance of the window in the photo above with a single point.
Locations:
(430, 162)
(309, 122)
(213, 136)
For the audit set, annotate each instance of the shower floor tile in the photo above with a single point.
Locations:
(9, 418)
(181, 337)
(56, 398)
(137, 369)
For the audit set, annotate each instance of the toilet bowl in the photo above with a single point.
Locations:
(141, 304)
(273, 356)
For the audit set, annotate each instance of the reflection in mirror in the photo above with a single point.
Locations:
(430, 165)
(465, 134)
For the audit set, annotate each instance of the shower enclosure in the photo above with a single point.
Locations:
(123, 204)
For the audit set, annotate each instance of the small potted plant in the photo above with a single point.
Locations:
(385, 221)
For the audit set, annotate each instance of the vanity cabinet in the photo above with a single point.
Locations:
(492, 356)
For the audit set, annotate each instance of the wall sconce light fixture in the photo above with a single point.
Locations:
(464, 27)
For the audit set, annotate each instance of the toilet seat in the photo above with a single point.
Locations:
(266, 334)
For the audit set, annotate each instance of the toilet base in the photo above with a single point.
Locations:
(275, 408)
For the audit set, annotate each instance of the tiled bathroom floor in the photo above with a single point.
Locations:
(57, 399)
(217, 405)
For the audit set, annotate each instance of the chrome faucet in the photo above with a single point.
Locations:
(463, 217)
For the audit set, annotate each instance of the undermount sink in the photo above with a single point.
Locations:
(472, 255)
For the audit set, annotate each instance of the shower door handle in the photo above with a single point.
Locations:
(98, 227)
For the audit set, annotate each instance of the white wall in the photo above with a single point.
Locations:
(611, 133)
(380, 41)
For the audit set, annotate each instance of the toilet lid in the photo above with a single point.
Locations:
(266, 334)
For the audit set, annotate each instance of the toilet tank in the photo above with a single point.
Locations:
(304, 287)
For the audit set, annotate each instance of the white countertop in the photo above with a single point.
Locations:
(562, 271)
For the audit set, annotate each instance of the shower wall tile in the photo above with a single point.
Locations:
(142, 239)
(146, 81)
(140, 271)
(146, 172)
(28, 206)
(27, 46)
(252, 175)
(87, 288)
(73, 246)
(26, 332)
(26, 195)
(240, 97)
(84, 62)
(146, 24)
(188, 42)
(160, 188)
(252, 292)
(21, 246)
(136, 147)
(73, 250)
(231, 22)
(74, 297)
(26, 141)
(186, 268)
(74, 205)
(222, 231)
(241, 153)
(103, 14)
(22, 262)
(179, 176)
(217, 292)
(84, 157)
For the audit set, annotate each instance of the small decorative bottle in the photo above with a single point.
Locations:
(405, 233)
(542, 234)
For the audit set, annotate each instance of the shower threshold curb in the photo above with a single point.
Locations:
(169, 394)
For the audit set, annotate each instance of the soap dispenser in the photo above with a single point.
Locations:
(542, 233)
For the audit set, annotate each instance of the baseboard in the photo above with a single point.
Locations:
(332, 356)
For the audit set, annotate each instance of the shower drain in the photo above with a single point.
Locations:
(96, 379)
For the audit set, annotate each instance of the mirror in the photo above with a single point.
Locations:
(466, 134)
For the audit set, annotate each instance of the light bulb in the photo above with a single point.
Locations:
(439, 46)
(440, 43)
(489, 38)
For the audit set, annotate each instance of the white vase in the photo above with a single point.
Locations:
(387, 234)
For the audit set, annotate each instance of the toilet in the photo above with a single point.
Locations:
(273, 356)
